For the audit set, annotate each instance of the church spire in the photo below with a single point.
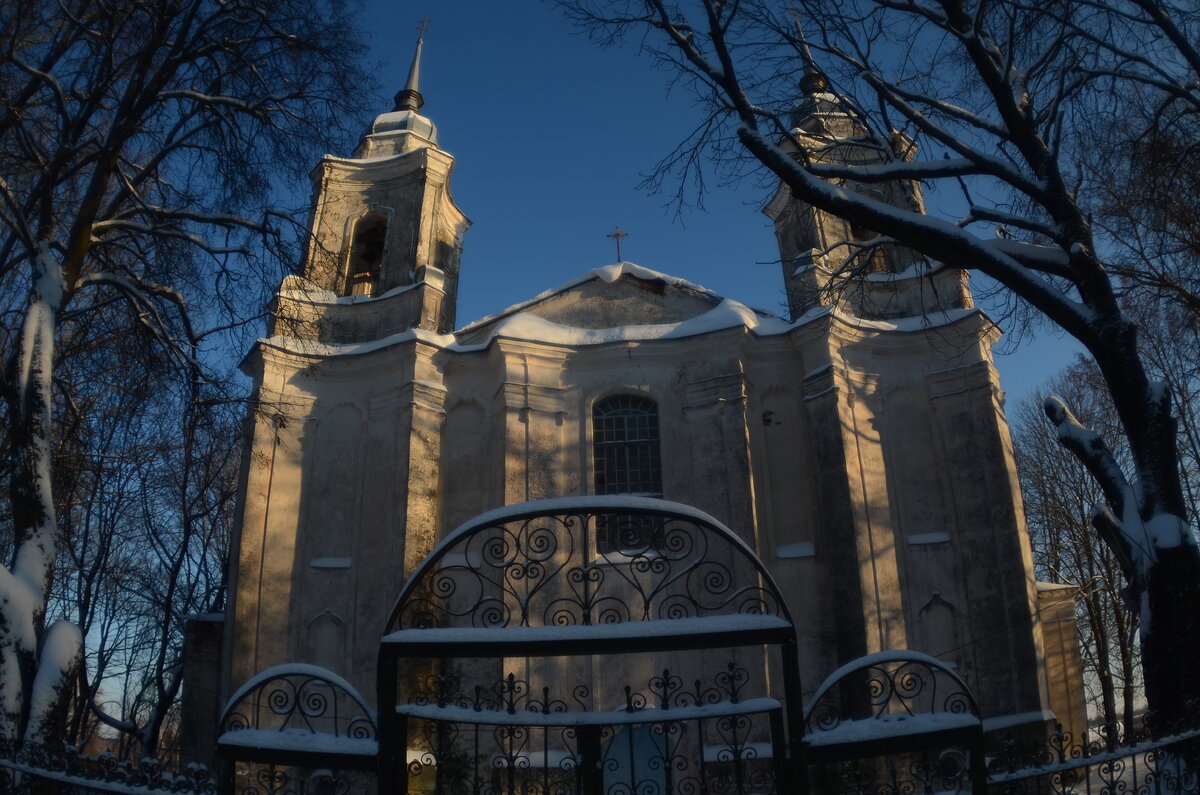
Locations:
(409, 98)
(403, 128)
(813, 81)
(819, 110)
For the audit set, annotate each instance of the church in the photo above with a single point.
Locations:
(859, 446)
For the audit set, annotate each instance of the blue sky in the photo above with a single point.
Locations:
(552, 136)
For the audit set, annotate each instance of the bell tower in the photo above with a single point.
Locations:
(828, 260)
(383, 225)
(340, 490)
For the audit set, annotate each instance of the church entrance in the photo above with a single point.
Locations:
(523, 656)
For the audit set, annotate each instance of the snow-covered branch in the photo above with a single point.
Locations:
(140, 144)
(1027, 105)
(939, 239)
(1089, 447)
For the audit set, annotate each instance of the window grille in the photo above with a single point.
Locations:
(627, 461)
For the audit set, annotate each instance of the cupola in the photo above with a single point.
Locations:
(402, 129)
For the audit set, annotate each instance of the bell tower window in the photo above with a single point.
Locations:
(626, 460)
(366, 254)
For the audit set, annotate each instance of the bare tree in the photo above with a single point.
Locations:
(140, 144)
(1059, 495)
(990, 97)
(142, 548)
(1144, 177)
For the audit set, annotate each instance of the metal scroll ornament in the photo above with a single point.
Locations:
(556, 570)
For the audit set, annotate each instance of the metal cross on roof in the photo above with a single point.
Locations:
(616, 235)
(423, 25)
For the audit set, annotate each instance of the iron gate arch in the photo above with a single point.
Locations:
(509, 659)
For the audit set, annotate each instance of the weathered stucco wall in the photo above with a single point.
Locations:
(867, 462)
(870, 468)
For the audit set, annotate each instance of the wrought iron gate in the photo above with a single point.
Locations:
(522, 656)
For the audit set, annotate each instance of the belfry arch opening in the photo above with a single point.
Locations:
(365, 258)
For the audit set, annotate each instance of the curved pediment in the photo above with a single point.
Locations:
(633, 298)
(610, 298)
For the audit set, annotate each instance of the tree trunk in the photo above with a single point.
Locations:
(1170, 638)
(1169, 625)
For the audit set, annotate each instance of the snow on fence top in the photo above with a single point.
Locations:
(889, 694)
(298, 712)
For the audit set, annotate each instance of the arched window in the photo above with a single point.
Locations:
(366, 254)
(626, 459)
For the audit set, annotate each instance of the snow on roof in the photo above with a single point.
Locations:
(725, 315)
(607, 274)
(941, 317)
(314, 348)
(528, 326)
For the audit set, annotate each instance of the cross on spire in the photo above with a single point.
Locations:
(410, 97)
(616, 235)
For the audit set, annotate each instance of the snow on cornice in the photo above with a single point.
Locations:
(375, 162)
(934, 319)
(324, 349)
(515, 324)
(529, 327)
(300, 289)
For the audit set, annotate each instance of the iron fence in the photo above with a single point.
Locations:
(1109, 762)
(41, 772)
(1105, 764)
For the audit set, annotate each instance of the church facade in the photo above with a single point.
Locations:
(859, 446)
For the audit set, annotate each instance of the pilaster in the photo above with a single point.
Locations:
(715, 413)
(531, 400)
(977, 456)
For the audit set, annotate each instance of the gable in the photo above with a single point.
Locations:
(612, 297)
(629, 300)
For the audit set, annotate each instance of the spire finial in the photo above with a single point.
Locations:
(813, 81)
(409, 98)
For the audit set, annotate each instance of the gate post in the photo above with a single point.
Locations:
(392, 740)
(591, 774)
(796, 770)
(978, 765)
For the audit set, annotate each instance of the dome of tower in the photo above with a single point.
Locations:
(821, 104)
(818, 104)
(405, 120)
(403, 128)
